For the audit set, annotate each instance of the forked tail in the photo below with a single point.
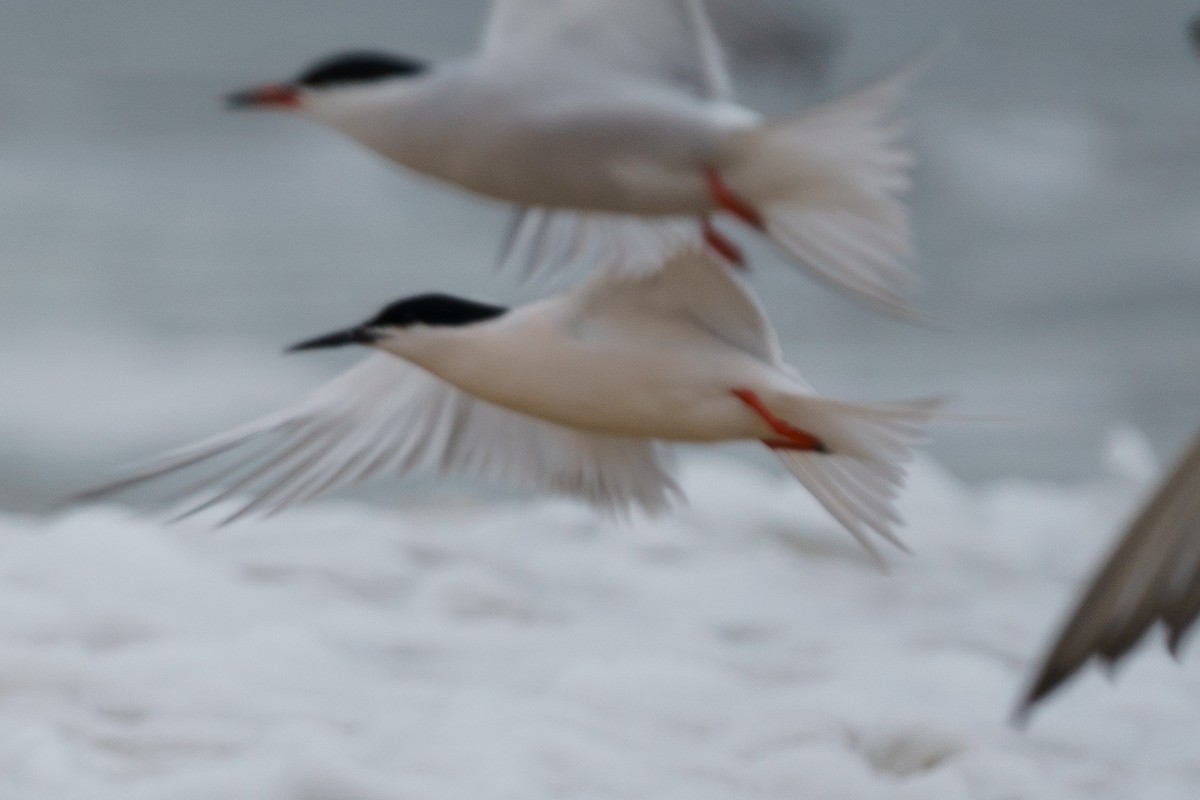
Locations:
(859, 477)
(825, 186)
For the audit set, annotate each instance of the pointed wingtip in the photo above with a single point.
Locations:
(874, 557)
(1047, 682)
(88, 497)
(1023, 712)
(1021, 715)
(1175, 642)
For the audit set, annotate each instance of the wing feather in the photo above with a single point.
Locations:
(385, 416)
(693, 288)
(541, 241)
(664, 41)
(1152, 574)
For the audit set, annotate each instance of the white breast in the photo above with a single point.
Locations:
(670, 387)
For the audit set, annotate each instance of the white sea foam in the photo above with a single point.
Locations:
(741, 649)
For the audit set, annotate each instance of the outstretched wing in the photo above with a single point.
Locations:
(669, 41)
(387, 417)
(1153, 574)
(693, 291)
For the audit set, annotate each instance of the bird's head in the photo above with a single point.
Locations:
(393, 327)
(335, 74)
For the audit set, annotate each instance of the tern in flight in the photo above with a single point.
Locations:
(611, 125)
(582, 393)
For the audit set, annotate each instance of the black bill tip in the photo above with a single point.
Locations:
(243, 99)
(275, 95)
(359, 335)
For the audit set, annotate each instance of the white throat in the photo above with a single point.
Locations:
(393, 117)
(441, 350)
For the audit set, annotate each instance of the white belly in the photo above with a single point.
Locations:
(655, 392)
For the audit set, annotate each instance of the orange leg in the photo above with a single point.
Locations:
(725, 199)
(721, 243)
(792, 438)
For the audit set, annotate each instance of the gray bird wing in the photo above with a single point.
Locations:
(1153, 574)
(387, 417)
(668, 41)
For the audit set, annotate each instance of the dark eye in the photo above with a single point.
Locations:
(349, 68)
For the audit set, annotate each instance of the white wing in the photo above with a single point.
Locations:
(387, 417)
(1153, 574)
(657, 41)
(665, 41)
(542, 240)
(694, 288)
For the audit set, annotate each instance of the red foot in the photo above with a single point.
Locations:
(721, 243)
(725, 199)
(793, 438)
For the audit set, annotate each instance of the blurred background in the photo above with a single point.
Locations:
(157, 252)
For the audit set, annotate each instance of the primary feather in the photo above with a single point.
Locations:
(1151, 576)
(388, 418)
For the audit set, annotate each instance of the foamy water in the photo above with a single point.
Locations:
(743, 648)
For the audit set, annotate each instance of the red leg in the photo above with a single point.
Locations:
(721, 243)
(725, 199)
(793, 438)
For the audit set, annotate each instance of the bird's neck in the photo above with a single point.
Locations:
(391, 118)
(450, 353)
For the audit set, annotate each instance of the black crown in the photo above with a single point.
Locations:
(435, 309)
(358, 67)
